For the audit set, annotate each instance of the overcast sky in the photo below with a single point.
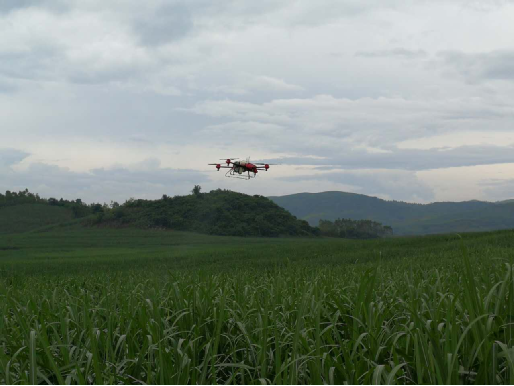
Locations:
(402, 99)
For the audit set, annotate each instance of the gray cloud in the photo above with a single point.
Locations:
(246, 84)
(149, 172)
(7, 6)
(323, 124)
(394, 53)
(399, 185)
(9, 157)
(495, 65)
(486, 5)
(143, 180)
(88, 77)
(409, 159)
(166, 23)
(7, 87)
(498, 189)
(121, 81)
(81, 47)
(40, 63)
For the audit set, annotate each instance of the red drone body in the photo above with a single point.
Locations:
(238, 168)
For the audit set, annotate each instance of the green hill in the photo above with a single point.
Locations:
(227, 213)
(26, 217)
(405, 218)
(219, 212)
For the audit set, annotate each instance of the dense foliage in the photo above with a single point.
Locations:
(28, 217)
(19, 198)
(24, 197)
(127, 306)
(405, 218)
(220, 212)
(25, 211)
(354, 229)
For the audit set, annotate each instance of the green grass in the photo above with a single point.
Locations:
(132, 306)
(22, 218)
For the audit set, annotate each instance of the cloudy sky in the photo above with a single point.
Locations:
(402, 99)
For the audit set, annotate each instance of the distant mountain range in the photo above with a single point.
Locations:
(229, 213)
(405, 218)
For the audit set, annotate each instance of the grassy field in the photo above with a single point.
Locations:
(21, 218)
(132, 306)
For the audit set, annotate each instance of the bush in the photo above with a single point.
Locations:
(354, 229)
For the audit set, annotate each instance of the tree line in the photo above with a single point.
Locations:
(219, 212)
(354, 229)
(78, 208)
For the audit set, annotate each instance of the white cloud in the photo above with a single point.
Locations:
(366, 84)
(245, 84)
(377, 122)
(240, 130)
(265, 83)
(395, 52)
(146, 179)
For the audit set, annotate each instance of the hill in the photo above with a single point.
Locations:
(25, 211)
(220, 212)
(404, 218)
(26, 217)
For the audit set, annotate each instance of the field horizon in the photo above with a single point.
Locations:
(225, 212)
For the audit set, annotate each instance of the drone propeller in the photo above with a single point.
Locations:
(223, 159)
(257, 163)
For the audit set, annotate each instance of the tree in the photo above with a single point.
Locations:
(196, 190)
(354, 229)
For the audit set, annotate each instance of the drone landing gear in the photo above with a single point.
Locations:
(232, 174)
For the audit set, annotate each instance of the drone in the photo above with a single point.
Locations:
(237, 169)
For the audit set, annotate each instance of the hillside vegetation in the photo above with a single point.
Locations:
(25, 211)
(26, 217)
(220, 212)
(404, 218)
(354, 229)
